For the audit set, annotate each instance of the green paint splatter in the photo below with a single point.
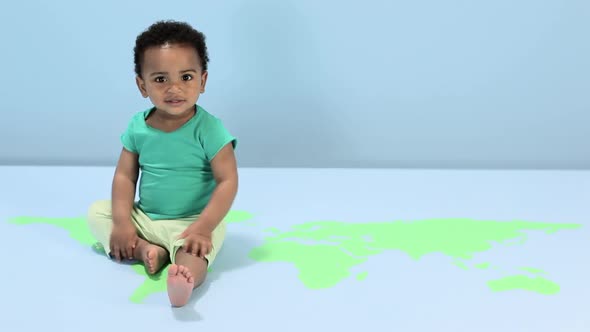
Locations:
(152, 284)
(533, 270)
(521, 282)
(77, 227)
(98, 248)
(324, 252)
(340, 246)
(461, 264)
(483, 266)
(319, 266)
(362, 276)
(235, 216)
(78, 230)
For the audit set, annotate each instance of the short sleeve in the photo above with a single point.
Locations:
(215, 137)
(127, 138)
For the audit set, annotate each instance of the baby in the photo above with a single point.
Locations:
(188, 168)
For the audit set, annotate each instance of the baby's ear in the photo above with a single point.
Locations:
(141, 86)
(204, 81)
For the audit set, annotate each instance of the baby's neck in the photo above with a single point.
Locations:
(166, 122)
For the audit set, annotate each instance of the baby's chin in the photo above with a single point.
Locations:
(175, 110)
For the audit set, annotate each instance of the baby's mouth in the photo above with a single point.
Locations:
(174, 101)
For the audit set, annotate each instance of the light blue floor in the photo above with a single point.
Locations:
(50, 282)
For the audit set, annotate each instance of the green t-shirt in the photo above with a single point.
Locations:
(176, 176)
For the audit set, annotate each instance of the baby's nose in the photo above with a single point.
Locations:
(173, 88)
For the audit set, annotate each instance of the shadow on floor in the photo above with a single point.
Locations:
(232, 256)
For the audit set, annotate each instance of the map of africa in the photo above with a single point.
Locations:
(324, 252)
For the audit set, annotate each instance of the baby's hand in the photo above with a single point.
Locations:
(123, 241)
(197, 241)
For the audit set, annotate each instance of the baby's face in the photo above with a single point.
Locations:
(172, 78)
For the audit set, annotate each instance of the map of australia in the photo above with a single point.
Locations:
(324, 252)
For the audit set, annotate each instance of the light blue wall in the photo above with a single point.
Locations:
(426, 83)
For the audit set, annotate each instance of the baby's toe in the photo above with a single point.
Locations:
(173, 270)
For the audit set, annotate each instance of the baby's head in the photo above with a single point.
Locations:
(164, 33)
(171, 66)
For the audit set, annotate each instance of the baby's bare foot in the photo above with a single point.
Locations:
(152, 256)
(180, 285)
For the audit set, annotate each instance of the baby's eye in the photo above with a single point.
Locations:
(187, 77)
(160, 79)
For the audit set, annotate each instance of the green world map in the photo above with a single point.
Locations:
(324, 252)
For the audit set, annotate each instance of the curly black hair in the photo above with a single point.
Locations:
(170, 32)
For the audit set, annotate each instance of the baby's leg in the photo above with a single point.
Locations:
(186, 274)
(152, 256)
(100, 223)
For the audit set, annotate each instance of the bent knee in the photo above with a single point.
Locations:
(98, 210)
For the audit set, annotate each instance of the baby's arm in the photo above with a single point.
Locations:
(225, 171)
(124, 186)
(198, 234)
(124, 235)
